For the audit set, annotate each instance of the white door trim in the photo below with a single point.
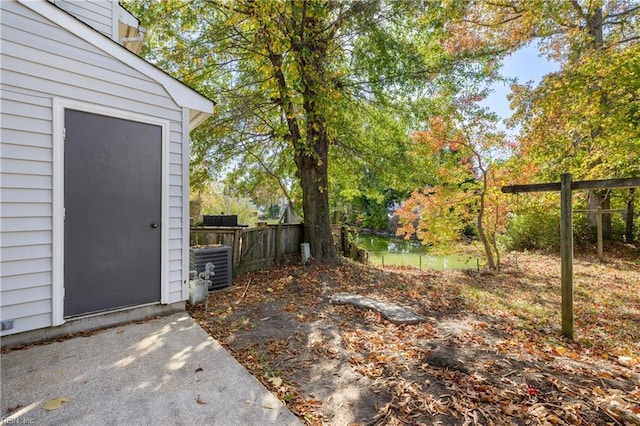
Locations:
(59, 106)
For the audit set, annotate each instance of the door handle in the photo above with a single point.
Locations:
(154, 225)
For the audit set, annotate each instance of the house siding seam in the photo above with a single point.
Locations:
(98, 14)
(42, 61)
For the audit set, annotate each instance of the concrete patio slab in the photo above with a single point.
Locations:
(163, 371)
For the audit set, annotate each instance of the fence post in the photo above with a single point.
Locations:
(237, 235)
(343, 240)
(278, 242)
(566, 252)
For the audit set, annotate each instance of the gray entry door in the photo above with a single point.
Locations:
(112, 198)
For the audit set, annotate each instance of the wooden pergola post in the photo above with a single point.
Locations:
(566, 254)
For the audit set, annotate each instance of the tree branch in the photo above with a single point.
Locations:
(267, 170)
(624, 12)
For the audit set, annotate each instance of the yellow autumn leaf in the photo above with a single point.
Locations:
(54, 404)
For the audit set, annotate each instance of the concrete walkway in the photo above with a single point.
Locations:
(166, 371)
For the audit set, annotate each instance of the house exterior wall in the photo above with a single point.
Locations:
(42, 63)
(98, 14)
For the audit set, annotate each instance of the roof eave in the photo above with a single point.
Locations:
(196, 118)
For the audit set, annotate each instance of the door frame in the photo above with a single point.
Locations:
(57, 267)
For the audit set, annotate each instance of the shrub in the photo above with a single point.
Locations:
(537, 229)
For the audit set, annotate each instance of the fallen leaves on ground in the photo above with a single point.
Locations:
(490, 351)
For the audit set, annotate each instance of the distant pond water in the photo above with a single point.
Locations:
(396, 251)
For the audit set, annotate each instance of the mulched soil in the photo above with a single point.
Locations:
(335, 364)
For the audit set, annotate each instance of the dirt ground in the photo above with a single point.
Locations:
(465, 364)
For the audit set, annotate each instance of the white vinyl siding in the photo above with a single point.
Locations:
(98, 14)
(21, 282)
(42, 61)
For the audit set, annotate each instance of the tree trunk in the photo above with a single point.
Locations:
(598, 198)
(315, 204)
(483, 238)
(494, 244)
(481, 233)
(311, 155)
(594, 27)
(607, 229)
(630, 214)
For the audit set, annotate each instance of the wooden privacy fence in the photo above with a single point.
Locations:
(345, 237)
(252, 248)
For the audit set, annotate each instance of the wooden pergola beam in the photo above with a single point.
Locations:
(606, 184)
(584, 184)
(533, 187)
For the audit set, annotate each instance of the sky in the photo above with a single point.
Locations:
(525, 65)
